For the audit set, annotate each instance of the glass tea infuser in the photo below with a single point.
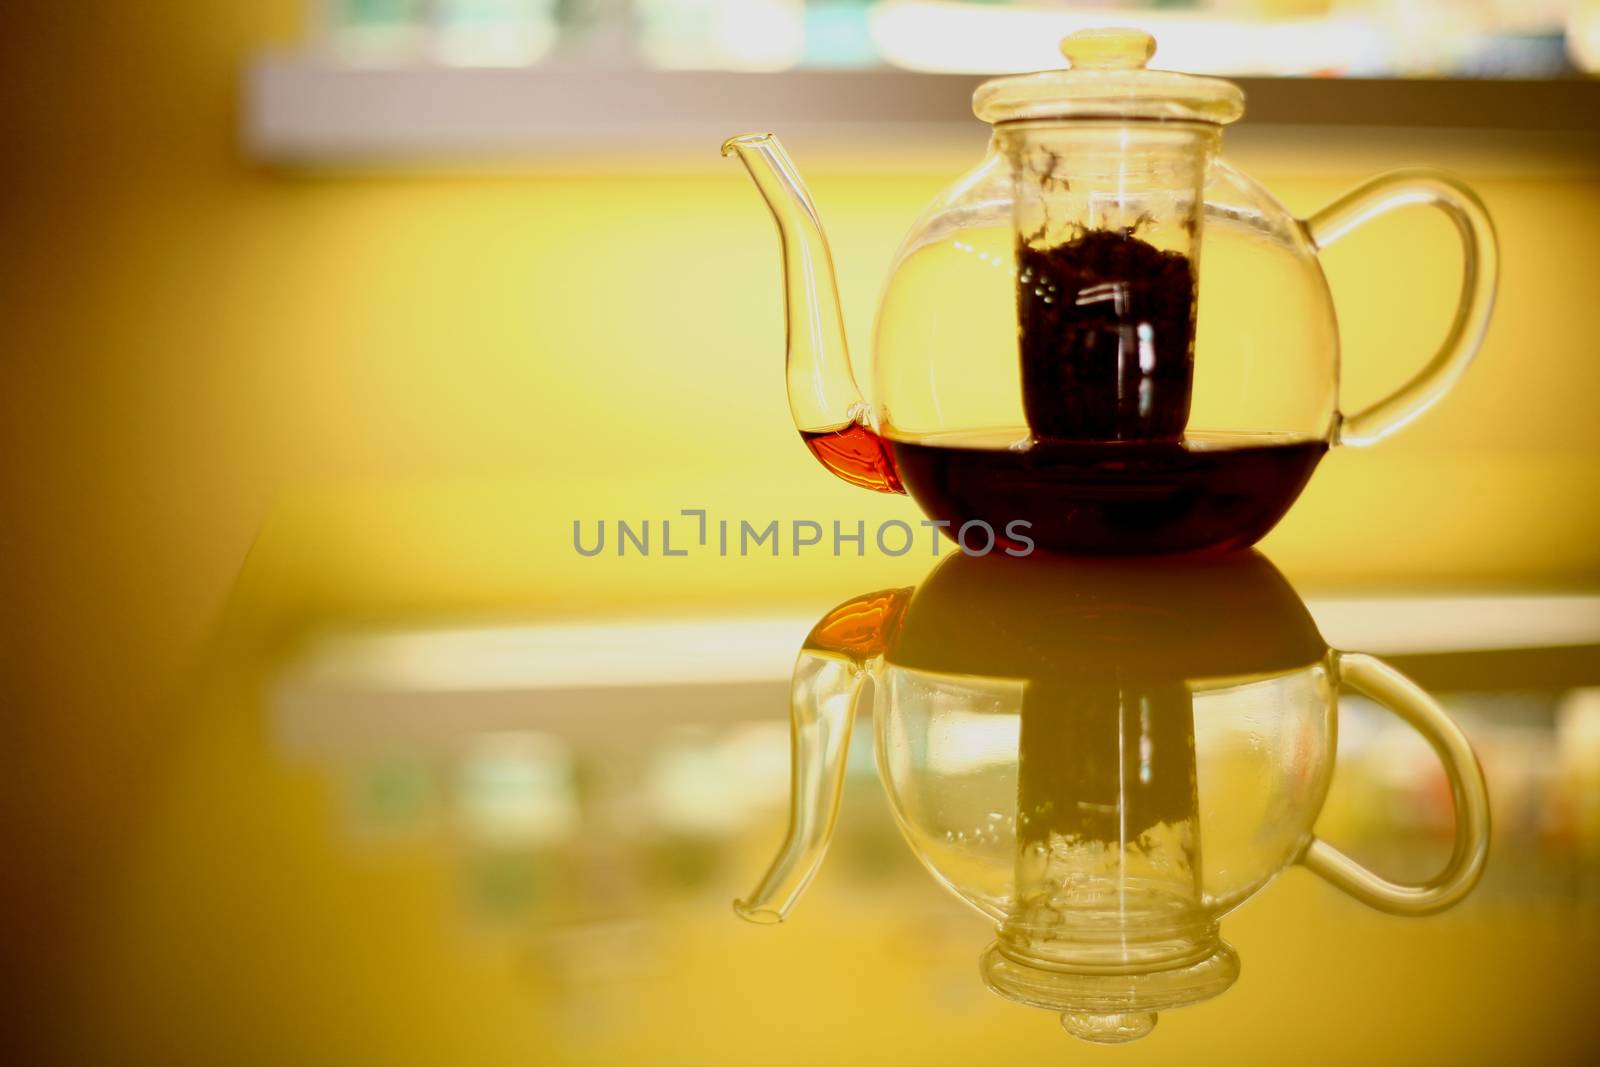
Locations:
(1105, 329)
(1103, 760)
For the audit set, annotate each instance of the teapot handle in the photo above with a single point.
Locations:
(1376, 679)
(1378, 196)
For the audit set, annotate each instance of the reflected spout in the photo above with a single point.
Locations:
(823, 397)
(828, 679)
(823, 708)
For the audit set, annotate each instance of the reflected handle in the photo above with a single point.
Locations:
(1379, 196)
(1376, 679)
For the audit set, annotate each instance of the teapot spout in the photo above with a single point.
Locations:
(823, 397)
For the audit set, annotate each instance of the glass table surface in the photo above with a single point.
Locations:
(409, 819)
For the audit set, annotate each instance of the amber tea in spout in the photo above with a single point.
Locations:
(856, 454)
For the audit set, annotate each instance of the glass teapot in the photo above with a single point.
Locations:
(1103, 760)
(1053, 347)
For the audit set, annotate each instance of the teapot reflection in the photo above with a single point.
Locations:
(1104, 759)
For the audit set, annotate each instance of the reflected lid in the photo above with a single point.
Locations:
(1110, 1007)
(1107, 79)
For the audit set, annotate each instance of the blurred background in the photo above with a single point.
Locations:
(1364, 38)
(436, 277)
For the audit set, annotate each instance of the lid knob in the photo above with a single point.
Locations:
(1108, 49)
(1115, 1028)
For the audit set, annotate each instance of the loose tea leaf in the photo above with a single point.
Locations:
(1106, 327)
(1080, 779)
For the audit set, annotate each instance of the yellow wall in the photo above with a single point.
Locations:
(185, 338)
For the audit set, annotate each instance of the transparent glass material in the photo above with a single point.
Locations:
(1106, 78)
(1251, 768)
(1103, 761)
(1266, 353)
(1104, 320)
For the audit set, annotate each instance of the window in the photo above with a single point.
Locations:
(1363, 38)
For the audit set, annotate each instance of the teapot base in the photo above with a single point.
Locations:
(1205, 493)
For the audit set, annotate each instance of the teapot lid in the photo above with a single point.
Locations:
(1114, 1006)
(1107, 79)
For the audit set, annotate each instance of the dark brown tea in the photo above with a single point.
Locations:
(1105, 327)
(1206, 493)
(1106, 339)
